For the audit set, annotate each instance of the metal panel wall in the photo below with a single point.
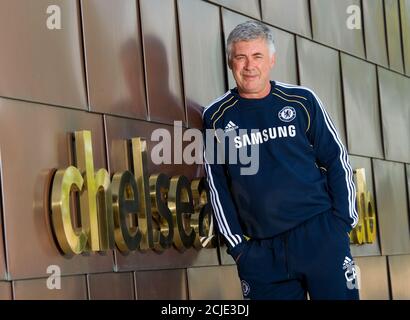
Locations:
(3, 269)
(395, 112)
(292, 15)
(374, 248)
(408, 183)
(115, 70)
(226, 259)
(111, 286)
(146, 60)
(5, 291)
(400, 277)
(72, 288)
(120, 129)
(164, 285)
(163, 66)
(37, 63)
(285, 66)
(26, 167)
(362, 110)
(392, 207)
(405, 32)
(374, 284)
(203, 62)
(319, 70)
(212, 289)
(329, 25)
(374, 31)
(393, 35)
(248, 7)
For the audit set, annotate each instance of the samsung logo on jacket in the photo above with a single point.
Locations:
(266, 134)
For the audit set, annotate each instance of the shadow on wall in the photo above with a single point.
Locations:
(165, 100)
(131, 71)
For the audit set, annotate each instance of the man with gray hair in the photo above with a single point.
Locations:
(287, 226)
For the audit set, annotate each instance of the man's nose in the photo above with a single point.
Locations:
(249, 64)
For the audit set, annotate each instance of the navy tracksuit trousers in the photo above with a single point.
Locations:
(312, 258)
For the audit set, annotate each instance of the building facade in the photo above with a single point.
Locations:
(122, 69)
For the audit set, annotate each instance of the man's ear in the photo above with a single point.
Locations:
(229, 63)
(272, 60)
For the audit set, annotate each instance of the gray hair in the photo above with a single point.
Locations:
(250, 30)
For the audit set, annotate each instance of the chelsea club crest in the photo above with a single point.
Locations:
(287, 114)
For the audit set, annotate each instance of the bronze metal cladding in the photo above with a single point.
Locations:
(400, 276)
(2, 253)
(393, 35)
(370, 249)
(111, 286)
(394, 101)
(362, 110)
(374, 31)
(374, 284)
(226, 259)
(5, 290)
(203, 63)
(392, 209)
(115, 71)
(405, 32)
(330, 25)
(163, 285)
(248, 7)
(408, 182)
(212, 288)
(162, 59)
(290, 15)
(319, 70)
(37, 63)
(118, 131)
(71, 288)
(29, 240)
(285, 68)
(97, 103)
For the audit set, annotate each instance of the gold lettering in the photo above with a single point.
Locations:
(140, 162)
(133, 210)
(93, 219)
(70, 240)
(180, 203)
(162, 217)
(365, 231)
(105, 214)
(125, 207)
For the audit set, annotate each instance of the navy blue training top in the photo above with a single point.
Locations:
(302, 166)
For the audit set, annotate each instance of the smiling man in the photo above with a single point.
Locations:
(287, 225)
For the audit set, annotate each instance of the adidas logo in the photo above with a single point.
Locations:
(230, 126)
(347, 263)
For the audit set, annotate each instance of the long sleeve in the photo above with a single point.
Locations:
(332, 155)
(223, 206)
